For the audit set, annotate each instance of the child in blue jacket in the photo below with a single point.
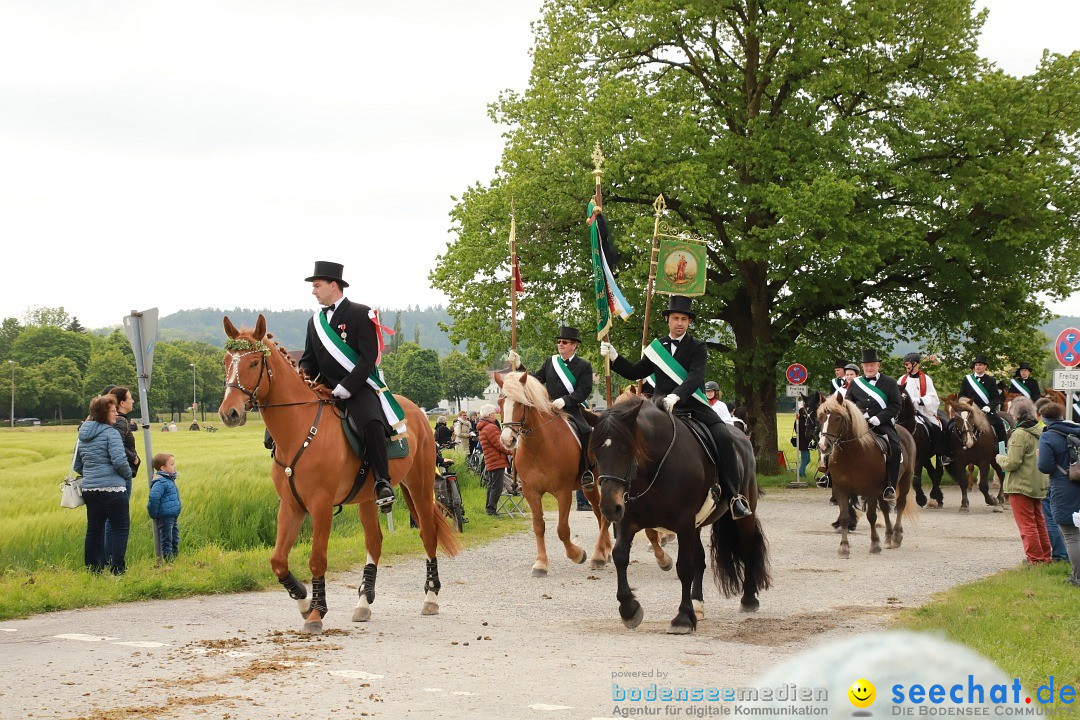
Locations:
(164, 504)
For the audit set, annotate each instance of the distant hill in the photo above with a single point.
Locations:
(288, 326)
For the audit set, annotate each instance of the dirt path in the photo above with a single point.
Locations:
(504, 645)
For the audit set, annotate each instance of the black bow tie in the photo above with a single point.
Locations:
(327, 309)
(675, 343)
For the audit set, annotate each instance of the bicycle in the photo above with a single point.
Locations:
(447, 492)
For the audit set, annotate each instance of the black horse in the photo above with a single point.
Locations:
(653, 473)
(924, 453)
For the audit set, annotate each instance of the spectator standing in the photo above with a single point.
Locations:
(496, 459)
(443, 434)
(804, 435)
(463, 431)
(164, 504)
(125, 402)
(1024, 484)
(474, 436)
(106, 474)
(1053, 459)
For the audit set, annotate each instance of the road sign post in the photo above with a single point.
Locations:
(141, 330)
(797, 375)
(1067, 352)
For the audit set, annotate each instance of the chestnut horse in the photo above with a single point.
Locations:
(973, 443)
(322, 468)
(547, 459)
(857, 466)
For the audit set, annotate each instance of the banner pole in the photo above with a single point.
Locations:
(659, 206)
(513, 279)
(598, 160)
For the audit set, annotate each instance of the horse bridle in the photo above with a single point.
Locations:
(632, 469)
(253, 395)
(834, 438)
(517, 427)
(960, 433)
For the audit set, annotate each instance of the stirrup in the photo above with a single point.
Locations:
(740, 508)
(384, 496)
(588, 480)
(824, 481)
(945, 460)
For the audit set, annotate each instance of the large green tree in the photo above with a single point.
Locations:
(61, 388)
(462, 377)
(856, 169)
(38, 344)
(414, 372)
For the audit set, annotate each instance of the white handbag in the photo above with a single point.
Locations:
(71, 489)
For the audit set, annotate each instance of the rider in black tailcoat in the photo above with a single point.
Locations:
(570, 402)
(992, 402)
(1023, 377)
(352, 323)
(882, 419)
(692, 355)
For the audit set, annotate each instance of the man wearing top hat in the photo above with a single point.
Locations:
(692, 355)
(352, 323)
(569, 382)
(838, 382)
(878, 396)
(981, 389)
(1024, 384)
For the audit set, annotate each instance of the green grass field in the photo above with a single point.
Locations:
(227, 526)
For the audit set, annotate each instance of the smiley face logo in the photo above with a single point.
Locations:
(862, 693)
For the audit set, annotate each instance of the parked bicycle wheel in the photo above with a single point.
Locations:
(456, 507)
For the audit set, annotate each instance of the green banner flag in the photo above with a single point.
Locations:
(680, 267)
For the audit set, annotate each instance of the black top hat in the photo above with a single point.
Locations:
(839, 364)
(1024, 366)
(569, 333)
(980, 358)
(869, 356)
(679, 304)
(912, 357)
(325, 270)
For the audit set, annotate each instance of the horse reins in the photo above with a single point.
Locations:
(835, 439)
(632, 469)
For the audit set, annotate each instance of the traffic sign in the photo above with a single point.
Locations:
(1066, 380)
(796, 374)
(1067, 347)
(797, 390)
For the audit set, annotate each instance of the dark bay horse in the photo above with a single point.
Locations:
(973, 443)
(857, 466)
(653, 473)
(924, 452)
(322, 467)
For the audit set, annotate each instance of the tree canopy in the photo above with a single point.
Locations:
(856, 169)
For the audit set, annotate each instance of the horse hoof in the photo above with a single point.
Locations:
(964, 510)
(875, 549)
(581, 560)
(750, 605)
(430, 608)
(305, 607)
(597, 563)
(674, 629)
(920, 500)
(996, 508)
(837, 529)
(633, 622)
(932, 505)
(361, 614)
(313, 627)
(539, 572)
(844, 553)
(699, 609)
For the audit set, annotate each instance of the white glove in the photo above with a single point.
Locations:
(607, 351)
(874, 421)
(558, 403)
(670, 401)
(341, 392)
(514, 359)
(986, 408)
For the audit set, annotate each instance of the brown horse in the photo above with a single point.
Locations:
(323, 468)
(547, 459)
(857, 466)
(974, 446)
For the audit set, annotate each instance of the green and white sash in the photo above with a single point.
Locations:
(347, 358)
(563, 371)
(872, 391)
(1021, 388)
(979, 388)
(668, 365)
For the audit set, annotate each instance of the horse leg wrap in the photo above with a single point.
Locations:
(367, 585)
(432, 584)
(296, 589)
(318, 595)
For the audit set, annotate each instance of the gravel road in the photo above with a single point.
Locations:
(505, 645)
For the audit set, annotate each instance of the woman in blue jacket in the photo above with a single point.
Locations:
(1064, 495)
(105, 476)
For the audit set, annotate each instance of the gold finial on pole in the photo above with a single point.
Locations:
(659, 205)
(598, 160)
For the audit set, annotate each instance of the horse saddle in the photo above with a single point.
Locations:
(704, 437)
(397, 446)
(885, 446)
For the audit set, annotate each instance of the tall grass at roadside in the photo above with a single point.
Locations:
(227, 526)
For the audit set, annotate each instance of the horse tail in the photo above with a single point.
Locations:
(740, 556)
(444, 532)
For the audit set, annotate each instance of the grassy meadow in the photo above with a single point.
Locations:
(227, 526)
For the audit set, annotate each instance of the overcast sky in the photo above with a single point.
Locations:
(186, 153)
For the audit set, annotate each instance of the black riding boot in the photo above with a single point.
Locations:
(588, 480)
(940, 443)
(729, 471)
(375, 446)
(892, 469)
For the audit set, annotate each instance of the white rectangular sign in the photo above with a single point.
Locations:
(796, 390)
(1067, 380)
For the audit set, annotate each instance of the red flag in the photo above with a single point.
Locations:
(517, 276)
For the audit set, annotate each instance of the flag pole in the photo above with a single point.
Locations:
(659, 206)
(598, 160)
(513, 279)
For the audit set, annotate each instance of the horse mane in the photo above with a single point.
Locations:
(531, 394)
(271, 342)
(978, 417)
(860, 429)
(614, 425)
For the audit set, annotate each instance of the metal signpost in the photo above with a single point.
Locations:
(1067, 352)
(141, 330)
(797, 375)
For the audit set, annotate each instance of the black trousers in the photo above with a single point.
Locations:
(375, 447)
(728, 467)
(892, 464)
